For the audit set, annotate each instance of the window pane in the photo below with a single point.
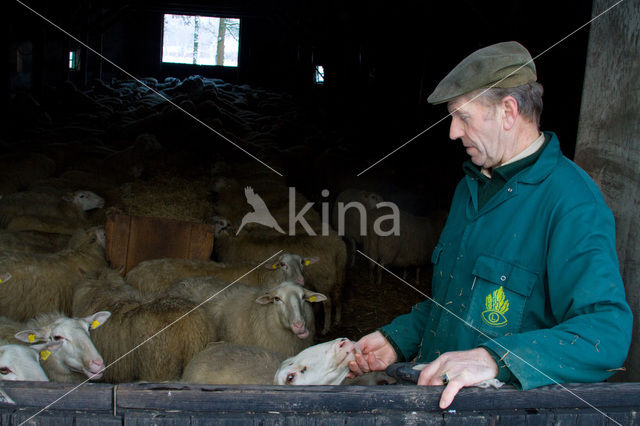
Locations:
(200, 40)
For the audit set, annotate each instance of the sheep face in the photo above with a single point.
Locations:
(77, 352)
(87, 200)
(220, 224)
(323, 364)
(20, 362)
(291, 266)
(288, 300)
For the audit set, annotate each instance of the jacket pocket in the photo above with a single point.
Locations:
(500, 293)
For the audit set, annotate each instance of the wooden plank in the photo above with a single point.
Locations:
(201, 241)
(350, 399)
(133, 239)
(90, 396)
(117, 229)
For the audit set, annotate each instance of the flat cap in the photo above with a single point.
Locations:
(504, 65)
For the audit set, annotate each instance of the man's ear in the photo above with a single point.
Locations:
(510, 112)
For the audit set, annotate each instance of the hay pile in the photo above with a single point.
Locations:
(168, 197)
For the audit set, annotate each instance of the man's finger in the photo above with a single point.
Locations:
(363, 366)
(430, 372)
(449, 393)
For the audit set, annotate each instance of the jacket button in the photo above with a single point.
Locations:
(503, 278)
(509, 189)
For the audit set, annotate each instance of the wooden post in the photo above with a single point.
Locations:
(608, 145)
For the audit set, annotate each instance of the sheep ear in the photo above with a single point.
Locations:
(271, 266)
(97, 319)
(46, 349)
(5, 276)
(312, 296)
(68, 197)
(309, 260)
(264, 299)
(31, 336)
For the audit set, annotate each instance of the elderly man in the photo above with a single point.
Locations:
(526, 281)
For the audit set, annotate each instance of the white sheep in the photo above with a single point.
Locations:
(275, 317)
(77, 358)
(143, 340)
(21, 362)
(156, 275)
(70, 208)
(229, 363)
(31, 241)
(327, 276)
(45, 282)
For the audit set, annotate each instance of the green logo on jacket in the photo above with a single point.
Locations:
(496, 306)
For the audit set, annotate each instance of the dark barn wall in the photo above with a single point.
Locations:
(609, 141)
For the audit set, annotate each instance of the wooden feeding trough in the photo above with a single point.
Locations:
(133, 239)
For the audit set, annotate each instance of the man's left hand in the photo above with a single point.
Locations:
(461, 368)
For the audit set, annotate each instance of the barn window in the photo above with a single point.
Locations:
(319, 74)
(200, 40)
(74, 60)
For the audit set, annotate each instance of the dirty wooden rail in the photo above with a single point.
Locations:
(169, 403)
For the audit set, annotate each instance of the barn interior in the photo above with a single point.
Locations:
(84, 83)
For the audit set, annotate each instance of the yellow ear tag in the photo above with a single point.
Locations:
(95, 325)
(274, 266)
(32, 338)
(306, 263)
(45, 354)
(312, 299)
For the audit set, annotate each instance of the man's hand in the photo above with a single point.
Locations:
(377, 354)
(462, 368)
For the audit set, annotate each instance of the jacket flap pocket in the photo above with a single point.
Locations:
(506, 274)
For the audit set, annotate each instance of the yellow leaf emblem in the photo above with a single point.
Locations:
(497, 306)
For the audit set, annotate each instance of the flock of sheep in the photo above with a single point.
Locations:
(248, 317)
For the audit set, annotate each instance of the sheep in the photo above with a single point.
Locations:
(70, 206)
(20, 362)
(45, 282)
(156, 275)
(223, 363)
(66, 211)
(235, 364)
(326, 277)
(412, 246)
(127, 342)
(31, 241)
(274, 317)
(76, 358)
(349, 225)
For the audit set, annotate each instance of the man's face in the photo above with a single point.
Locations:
(478, 127)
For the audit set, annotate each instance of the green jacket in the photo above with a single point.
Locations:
(535, 275)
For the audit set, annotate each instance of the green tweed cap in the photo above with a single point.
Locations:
(507, 64)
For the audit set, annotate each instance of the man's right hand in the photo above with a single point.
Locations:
(377, 354)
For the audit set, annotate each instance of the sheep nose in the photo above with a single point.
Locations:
(96, 366)
(300, 280)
